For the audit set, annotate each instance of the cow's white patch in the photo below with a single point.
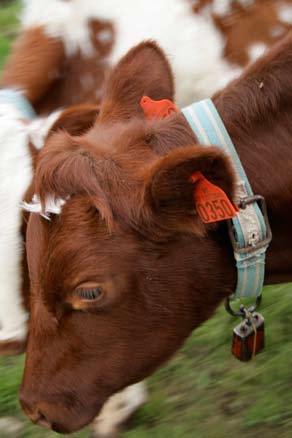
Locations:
(277, 31)
(119, 408)
(256, 50)
(67, 20)
(246, 3)
(191, 41)
(221, 7)
(52, 206)
(15, 177)
(193, 45)
(105, 36)
(285, 13)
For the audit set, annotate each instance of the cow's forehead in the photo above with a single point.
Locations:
(139, 139)
(77, 247)
(111, 139)
(121, 155)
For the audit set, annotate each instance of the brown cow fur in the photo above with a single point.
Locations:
(129, 229)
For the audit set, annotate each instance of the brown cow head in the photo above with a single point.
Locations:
(126, 270)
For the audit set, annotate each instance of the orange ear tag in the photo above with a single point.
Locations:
(157, 109)
(212, 203)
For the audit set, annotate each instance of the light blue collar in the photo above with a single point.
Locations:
(249, 230)
(8, 96)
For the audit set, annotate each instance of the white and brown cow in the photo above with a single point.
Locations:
(67, 47)
(125, 269)
(62, 57)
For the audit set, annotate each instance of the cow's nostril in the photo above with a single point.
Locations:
(42, 421)
(36, 416)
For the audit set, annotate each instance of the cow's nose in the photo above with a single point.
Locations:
(35, 415)
(40, 419)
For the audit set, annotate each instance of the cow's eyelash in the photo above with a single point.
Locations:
(89, 293)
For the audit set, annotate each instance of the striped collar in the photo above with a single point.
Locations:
(249, 230)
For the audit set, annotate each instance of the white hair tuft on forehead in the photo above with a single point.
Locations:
(52, 206)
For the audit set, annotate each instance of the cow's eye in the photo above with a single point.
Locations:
(91, 296)
(89, 293)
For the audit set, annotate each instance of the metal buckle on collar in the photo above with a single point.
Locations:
(249, 249)
(263, 206)
(242, 309)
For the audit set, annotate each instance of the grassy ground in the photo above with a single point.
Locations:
(8, 28)
(203, 392)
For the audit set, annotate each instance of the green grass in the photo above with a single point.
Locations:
(203, 392)
(8, 28)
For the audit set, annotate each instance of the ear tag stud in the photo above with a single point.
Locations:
(211, 201)
(157, 109)
(249, 337)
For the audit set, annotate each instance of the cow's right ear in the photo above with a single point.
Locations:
(143, 71)
(177, 186)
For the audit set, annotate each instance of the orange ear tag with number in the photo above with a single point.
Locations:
(157, 109)
(212, 203)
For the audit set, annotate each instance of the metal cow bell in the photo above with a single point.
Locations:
(249, 337)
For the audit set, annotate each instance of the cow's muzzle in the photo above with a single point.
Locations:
(56, 416)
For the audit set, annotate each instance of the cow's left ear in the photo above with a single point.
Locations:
(143, 71)
(75, 120)
(172, 183)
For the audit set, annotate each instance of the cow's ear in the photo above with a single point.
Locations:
(144, 70)
(77, 119)
(172, 183)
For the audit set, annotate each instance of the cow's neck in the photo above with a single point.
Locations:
(257, 113)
